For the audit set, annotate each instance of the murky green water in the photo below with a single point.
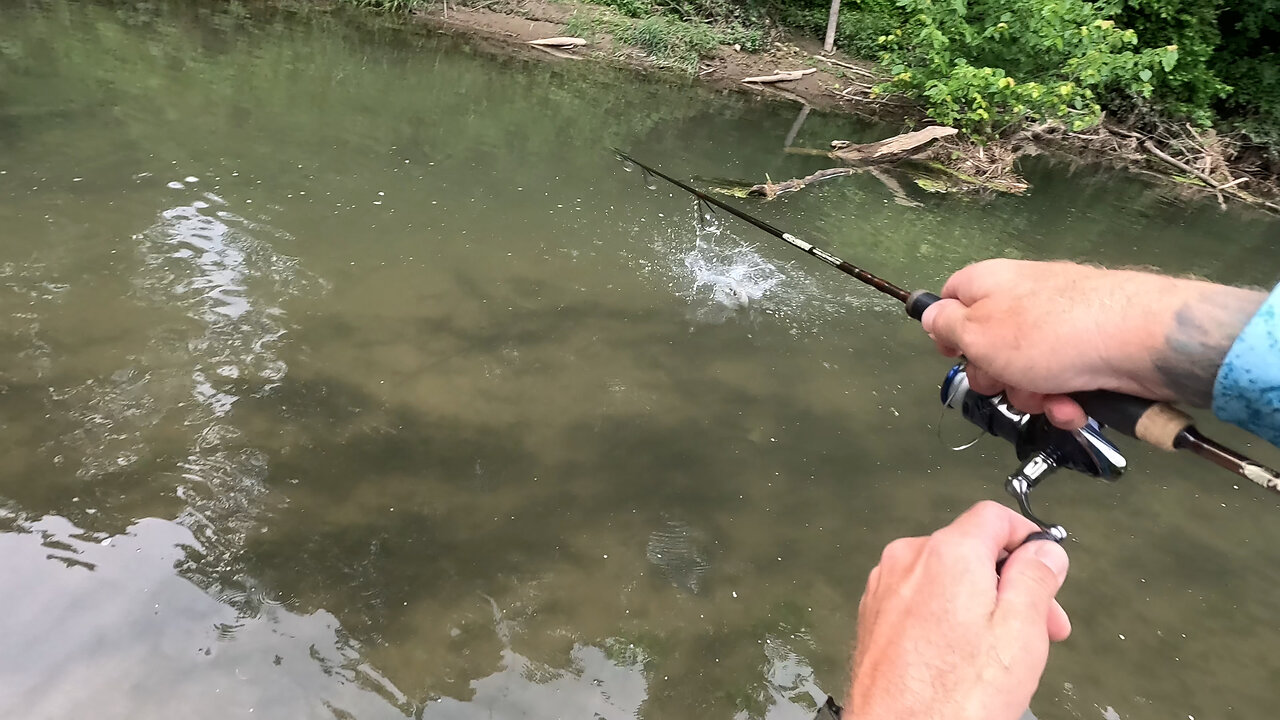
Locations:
(344, 374)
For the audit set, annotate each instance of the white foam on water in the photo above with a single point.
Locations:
(732, 275)
(724, 276)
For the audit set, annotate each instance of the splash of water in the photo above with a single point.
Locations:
(723, 277)
(735, 276)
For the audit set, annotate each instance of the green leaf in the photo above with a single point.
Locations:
(1145, 75)
(1168, 60)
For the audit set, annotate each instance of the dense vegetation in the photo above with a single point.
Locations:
(989, 65)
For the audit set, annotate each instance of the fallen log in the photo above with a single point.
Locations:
(890, 149)
(780, 76)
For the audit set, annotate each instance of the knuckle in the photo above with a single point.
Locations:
(947, 549)
(986, 512)
(898, 552)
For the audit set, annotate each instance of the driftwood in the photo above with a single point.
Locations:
(1216, 187)
(1181, 165)
(780, 76)
(560, 42)
(770, 190)
(891, 149)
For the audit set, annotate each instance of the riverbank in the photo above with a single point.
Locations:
(831, 86)
(837, 82)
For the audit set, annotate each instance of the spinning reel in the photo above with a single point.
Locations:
(1041, 447)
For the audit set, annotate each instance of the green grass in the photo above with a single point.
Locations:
(667, 40)
(390, 6)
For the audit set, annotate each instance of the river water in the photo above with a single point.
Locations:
(345, 374)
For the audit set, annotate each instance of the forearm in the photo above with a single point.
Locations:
(1183, 364)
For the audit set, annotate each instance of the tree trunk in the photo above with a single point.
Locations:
(830, 43)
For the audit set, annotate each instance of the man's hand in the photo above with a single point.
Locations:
(1037, 331)
(942, 637)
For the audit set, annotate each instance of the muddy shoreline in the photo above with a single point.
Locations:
(842, 84)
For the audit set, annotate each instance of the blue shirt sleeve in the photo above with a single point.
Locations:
(1247, 390)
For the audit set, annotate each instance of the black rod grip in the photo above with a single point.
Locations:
(919, 301)
(1156, 423)
(1115, 410)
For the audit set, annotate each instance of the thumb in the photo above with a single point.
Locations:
(944, 321)
(1031, 577)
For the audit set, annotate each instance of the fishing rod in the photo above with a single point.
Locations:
(1040, 446)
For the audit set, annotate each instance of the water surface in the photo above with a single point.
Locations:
(346, 375)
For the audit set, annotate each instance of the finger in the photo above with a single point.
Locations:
(867, 603)
(1028, 584)
(945, 322)
(974, 282)
(868, 609)
(1026, 401)
(1064, 412)
(944, 348)
(1059, 623)
(873, 584)
(982, 382)
(990, 527)
(900, 554)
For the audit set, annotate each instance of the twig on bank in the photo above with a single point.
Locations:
(847, 66)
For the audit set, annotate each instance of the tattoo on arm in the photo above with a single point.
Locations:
(1197, 343)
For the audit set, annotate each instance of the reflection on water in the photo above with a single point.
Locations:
(160, 643)
(117, 634)
(680, 552)
(346, 376)
(221, 273)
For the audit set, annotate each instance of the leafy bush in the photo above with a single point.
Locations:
(1249, 61)
(986, 65)
(1191, 87)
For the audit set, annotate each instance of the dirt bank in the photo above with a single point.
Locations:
(1187, 163)
(517, 22)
